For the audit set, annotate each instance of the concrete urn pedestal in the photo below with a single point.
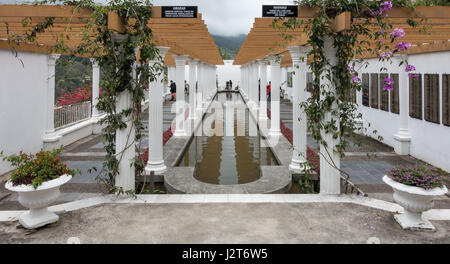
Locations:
(415, 201)
(37, 200)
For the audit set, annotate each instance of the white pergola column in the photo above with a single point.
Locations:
(180, 61)
(275, 95)
(254, 87)
(329, 175)
(209, 81)
(95, 88)
(299, 62)
(192, 92)
(50, 121)
(283, 79)
(245, 82)
(402, 137)
(126, 142)
(200, 77)
(262, 90)
(155, 122)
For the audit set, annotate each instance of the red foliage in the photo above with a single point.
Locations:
(80, 95)
(311, 155)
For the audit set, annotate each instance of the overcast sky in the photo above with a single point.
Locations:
(223, 17)
(227, 17)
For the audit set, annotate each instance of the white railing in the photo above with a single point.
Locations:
(68, 114)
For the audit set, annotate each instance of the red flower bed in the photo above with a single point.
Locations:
(311, 155)
(80, 95)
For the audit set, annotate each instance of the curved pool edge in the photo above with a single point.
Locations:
(274, 179)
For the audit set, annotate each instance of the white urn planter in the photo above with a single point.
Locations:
(37, 200)
(415, 201)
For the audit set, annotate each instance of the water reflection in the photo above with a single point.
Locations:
(233, 158)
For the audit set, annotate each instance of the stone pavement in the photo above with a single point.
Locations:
(225, 223)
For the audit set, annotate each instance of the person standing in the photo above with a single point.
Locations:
(173, 90)
(268, 90)
(231, 85)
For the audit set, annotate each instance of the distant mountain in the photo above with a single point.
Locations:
(229, 46)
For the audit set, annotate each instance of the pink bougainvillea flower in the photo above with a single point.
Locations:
(355, 79)
(386, 54)
(401, 46)
(413, 75)
(385, 6)
(410, 68)
(398, 33)
(350, 68)
(388, 84)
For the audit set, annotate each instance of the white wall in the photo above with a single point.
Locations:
(430, 142)
(22, 103)
(227, 72)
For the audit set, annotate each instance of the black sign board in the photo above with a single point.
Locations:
(179, 11)
(280, 11)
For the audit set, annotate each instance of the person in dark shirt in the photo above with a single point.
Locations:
(173, 90)
(268, 90)
(231, 85)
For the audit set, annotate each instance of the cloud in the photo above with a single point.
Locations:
(227, 17)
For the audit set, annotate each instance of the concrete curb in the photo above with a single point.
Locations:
(433, 214)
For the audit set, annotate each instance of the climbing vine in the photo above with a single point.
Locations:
(124, 59)
(370, 34)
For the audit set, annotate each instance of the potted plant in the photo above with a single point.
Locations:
(414, 190)
(37, 179)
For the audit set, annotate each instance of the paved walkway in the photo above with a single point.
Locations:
(225, 223)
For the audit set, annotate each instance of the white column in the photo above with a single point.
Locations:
(262, 90)
(192, 81)
(180, 61)
(284, 78)
(329, 175)
(50, 122)
(275, 95)
(126, 142)
(200, 73)
(245, 78)
(299, 63)
(95, 87)
(254, 85)
(403, 137)
(155, 121)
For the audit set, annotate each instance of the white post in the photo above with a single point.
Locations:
(50, 122)
(402, 137)
(95, 88)
(275, 95)
(200, 73)
(283, 79)
(254, 86)
(329, 176)
(170, 75)
(126, 142)
(262, 90)
(155, 121)
(180, 61)
(192, 82)
(245, 84)
(299, 61)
